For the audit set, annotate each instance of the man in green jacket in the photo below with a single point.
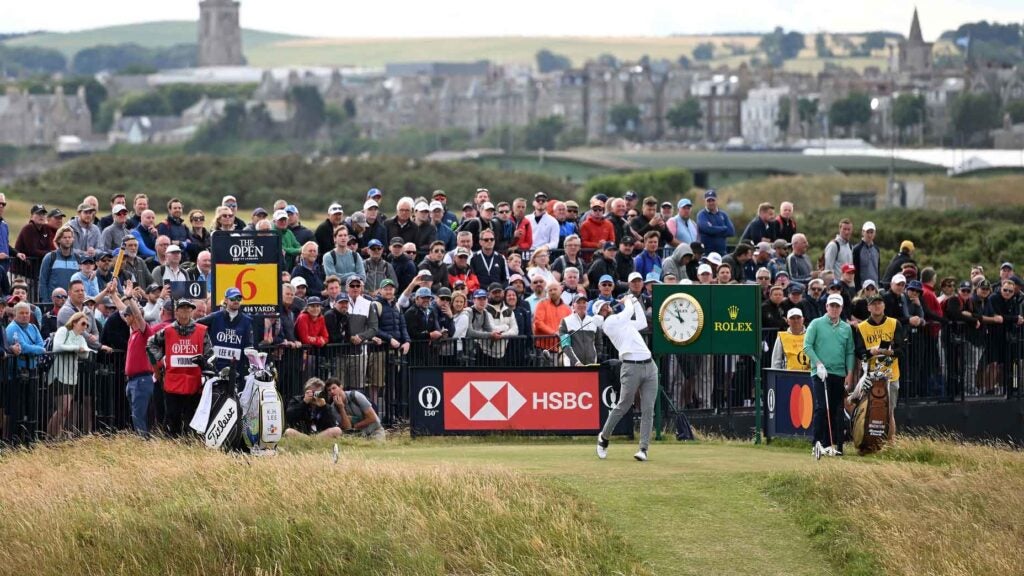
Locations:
(829, 347)
(289, 244)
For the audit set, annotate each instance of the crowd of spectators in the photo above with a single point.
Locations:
(492, 282)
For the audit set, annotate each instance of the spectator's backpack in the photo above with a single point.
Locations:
(45, 360)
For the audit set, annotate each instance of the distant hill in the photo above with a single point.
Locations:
(147, 34)
(280, 50)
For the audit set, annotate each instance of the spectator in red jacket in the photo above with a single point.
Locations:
(310, 327)
(596, 229)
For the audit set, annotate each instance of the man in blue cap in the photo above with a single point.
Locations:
(714, 224)
(302, 234)
(423, 325)
(682, 226)
(605, 292)
(480, 328)
(230, 331)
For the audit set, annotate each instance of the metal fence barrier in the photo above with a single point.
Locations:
(84, 395)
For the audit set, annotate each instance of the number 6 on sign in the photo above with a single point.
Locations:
(247, 287)
(259, 284)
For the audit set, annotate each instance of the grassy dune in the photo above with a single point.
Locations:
(126, 506)
(924, 507)
(511, 506)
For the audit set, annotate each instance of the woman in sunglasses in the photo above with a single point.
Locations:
(69, 345)
(198, 235)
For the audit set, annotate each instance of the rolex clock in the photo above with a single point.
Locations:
(681, 318)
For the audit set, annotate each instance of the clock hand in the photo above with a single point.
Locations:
(680, 318)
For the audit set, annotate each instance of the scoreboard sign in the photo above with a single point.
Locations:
(251, 262)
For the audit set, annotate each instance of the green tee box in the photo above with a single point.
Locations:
(731, 319)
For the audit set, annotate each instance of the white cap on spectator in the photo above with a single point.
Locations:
(425, 274)
(298, 281)
(487, 206)
(370, 204)
(898, 279)
(794, 312)
(280, 214)
(598, 304)
(173, 248)
(714, 258)
(422, 207)
(703, 268)
(435, 205)
(634, 276)
(869, 225)
(335, 209)
(834, 299)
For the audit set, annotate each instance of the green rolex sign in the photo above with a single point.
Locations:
(703, 319)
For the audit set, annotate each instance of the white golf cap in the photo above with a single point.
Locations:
(173, 248)
(703, 269)
(598, 304)
(224, 200)
(794, 312)
(335, 209)
(118, 208)
(634, 276)
(898, 279)
(370, 204)
(422, 207)
(487, 206)
(298, 281)
(869, 225)
(714, 258)
(280, 214)
(834, 299)
(435, 205)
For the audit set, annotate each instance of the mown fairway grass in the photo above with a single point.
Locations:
(512, 506)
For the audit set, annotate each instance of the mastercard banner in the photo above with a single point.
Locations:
(789, 404)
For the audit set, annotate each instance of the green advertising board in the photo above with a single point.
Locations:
(707, 319)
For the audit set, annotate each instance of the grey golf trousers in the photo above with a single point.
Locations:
(633, 377)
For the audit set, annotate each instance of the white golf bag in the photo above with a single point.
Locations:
(218, 416)
(262, 409)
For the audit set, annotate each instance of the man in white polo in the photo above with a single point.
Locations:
(638, 373)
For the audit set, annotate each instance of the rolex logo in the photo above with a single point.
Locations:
(734, 311)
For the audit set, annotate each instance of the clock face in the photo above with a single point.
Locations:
(681, 318)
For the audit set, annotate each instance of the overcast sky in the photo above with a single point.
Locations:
(413, 18)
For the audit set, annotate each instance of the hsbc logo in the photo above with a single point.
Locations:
(517, 401)
(488, 401)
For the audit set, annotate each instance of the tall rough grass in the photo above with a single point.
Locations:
(124, 506)
(924, 506)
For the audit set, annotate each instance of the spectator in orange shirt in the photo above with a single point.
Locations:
(596, 229)
(548, 316)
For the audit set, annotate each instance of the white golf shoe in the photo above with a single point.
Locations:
(641, 455)
(602, 447)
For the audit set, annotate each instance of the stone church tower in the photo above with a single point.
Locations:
(220, 36)
(915, 54)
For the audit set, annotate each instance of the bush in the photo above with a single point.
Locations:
(200, 180)
(665, 183)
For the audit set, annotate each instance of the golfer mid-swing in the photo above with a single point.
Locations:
(638, 372)
(829, 347)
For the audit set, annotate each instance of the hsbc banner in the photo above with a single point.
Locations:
(474, 401)
(789, 404)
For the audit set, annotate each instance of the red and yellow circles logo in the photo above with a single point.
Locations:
(801, 406)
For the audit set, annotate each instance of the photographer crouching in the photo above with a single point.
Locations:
(309, 414)
(355, 411)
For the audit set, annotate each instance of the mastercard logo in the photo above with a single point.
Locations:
(801, 406)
